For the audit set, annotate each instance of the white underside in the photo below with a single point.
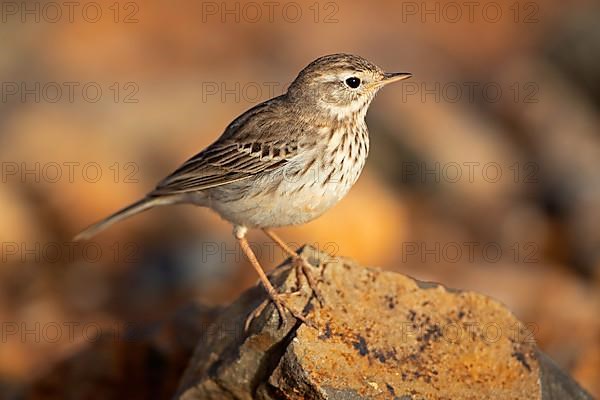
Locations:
(292, 200)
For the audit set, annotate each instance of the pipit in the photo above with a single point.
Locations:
(283, 162)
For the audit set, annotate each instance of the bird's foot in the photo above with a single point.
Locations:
(281, 304)
(303, 268)
(301, 265)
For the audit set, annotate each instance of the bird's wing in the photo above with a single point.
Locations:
(248, 147)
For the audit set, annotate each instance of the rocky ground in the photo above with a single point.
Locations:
(378, 335)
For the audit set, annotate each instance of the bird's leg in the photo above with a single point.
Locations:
(273, 295)
(301, 265)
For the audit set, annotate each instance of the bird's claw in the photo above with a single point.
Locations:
(281, 306)
(303, 268)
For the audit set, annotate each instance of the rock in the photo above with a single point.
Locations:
(379, 335)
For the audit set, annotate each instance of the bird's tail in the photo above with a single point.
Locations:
(135, 208)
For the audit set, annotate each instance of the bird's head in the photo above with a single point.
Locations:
(341, 84)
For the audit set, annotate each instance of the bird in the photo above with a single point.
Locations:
(283, 162)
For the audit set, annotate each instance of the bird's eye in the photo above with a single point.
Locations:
(353, 82)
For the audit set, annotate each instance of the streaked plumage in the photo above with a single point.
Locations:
(285, 161)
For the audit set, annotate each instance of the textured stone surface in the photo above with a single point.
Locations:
(380, 335)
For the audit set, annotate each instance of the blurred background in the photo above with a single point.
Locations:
(484, 172)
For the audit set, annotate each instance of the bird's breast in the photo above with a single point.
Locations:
(325, 175)
(306, 187)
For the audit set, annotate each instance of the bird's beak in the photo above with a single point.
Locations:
(390, 77)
